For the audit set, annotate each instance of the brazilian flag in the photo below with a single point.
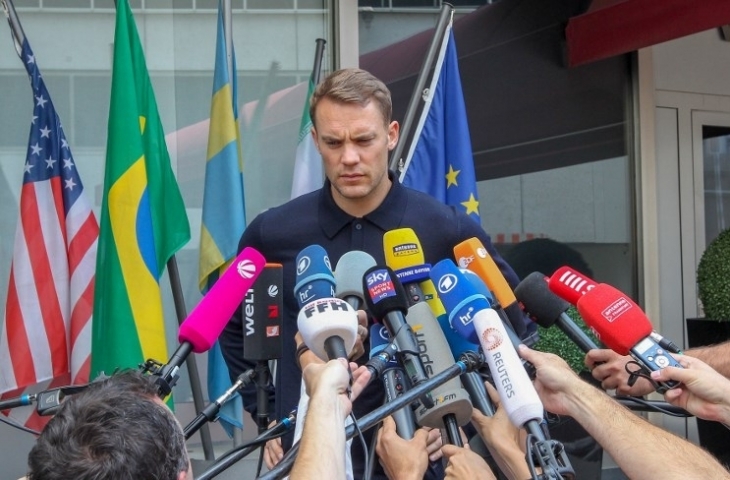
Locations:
(143, 219)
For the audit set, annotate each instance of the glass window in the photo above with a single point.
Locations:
(716, 157)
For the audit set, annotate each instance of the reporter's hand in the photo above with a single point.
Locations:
(362, 334)
(555, 381)
(463, 464)
(609, 368)
(435, 441)
(402, 459)
(505, 442)
(273, 451)
(703, 391)
(333, 378)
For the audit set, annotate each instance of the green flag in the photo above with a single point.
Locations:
(308, 175)
(143, 219)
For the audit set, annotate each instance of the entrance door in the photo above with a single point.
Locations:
(711, 165)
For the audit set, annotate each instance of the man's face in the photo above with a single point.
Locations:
(354, 142)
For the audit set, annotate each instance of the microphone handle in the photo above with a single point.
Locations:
(262, 394)
(575, 334)
(475, 388)
(395, 386)
(354, 301)
(335, 347)
(20, 401)
(467, 363)
(170, 372)
(452, 429)
(543, 449)
(210, 412)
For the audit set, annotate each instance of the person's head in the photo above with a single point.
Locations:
(351, 115)
(117, 428)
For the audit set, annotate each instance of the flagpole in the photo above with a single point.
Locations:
(318, 54)
(433, 49)
(15, 28)
(228, 34)
(193, 374)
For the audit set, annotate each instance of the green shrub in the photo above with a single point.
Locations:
(713, 278)
(553, 340)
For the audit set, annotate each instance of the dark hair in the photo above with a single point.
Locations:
(353, 85)
(115, 429)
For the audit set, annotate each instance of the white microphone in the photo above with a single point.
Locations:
(471, 317)
(328, 327)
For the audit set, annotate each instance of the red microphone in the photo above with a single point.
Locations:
(205, 323)
(569, 284)
(616, 319)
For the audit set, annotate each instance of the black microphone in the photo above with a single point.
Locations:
(395, 383)
(348, 277)
(262, 312)
(547, 309)
(387, 301)
(210, 413)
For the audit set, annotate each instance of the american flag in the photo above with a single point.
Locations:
(46, 335)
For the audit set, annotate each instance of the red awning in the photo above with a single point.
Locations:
(614, 27)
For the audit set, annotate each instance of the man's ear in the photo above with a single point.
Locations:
(313, 132)
(393, 132)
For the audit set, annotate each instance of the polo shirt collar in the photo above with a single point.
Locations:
(387, 216)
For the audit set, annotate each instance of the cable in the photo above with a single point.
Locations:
(366, 458)
(18, 426)
(653, 406)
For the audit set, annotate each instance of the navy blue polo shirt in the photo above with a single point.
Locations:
(282, 232)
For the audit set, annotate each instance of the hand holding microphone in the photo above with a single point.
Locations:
(618, 322)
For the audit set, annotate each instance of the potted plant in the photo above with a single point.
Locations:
(713, 290)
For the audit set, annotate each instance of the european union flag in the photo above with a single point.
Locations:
(440, 160)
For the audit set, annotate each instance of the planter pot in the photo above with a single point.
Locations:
(701, 332)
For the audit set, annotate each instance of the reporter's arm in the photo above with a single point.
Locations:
(642, 450)
(322, 446)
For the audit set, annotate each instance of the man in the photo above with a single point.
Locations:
(322, 446)
(361, 200)
(641, 450)
(117, 428)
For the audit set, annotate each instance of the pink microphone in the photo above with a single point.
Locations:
(208, 319)
(205, 323)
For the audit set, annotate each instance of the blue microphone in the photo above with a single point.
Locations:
(314, 279)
